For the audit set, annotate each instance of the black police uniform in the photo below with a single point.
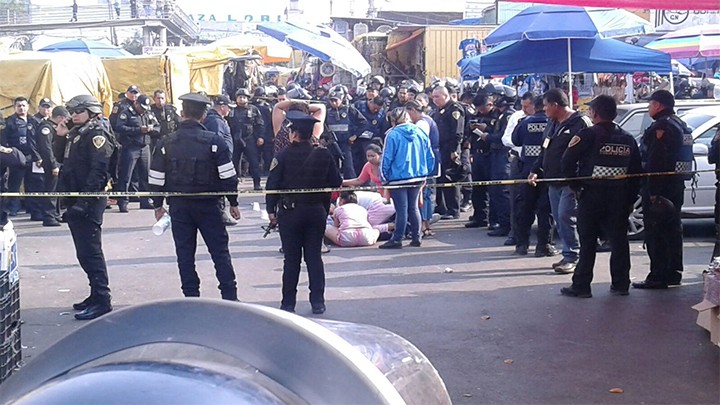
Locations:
(480, 168)
(266, 150)
(118, 108)
(603, 205)
(450, 121)
(302, 217)
(194, 160)
(377, 125)
(215, 123)
(345, 122)
(663, 147)
(531, 201)
(20, 133)
(86, 169)
(47, 133)
(15, 158)
(500, 170)
(169, 120)
(135, 153)
(247, 126)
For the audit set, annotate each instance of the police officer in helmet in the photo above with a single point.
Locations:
(604, 149)
(302, 217)
(666, 147)
(86, 169)
(247, 126)
(194, 160)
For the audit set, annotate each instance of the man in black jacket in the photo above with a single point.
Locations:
(564, 123)
(48, 131)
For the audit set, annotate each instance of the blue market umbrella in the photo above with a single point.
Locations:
(547, 22)
(97, 48)
(595, 55)
(321, 42)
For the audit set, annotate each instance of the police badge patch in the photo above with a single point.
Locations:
(574, 141)
(343, 115)
(123, 116)
(45, 131)
(273, 164)
(659, 133)
(374, 122)
(115, 109)
(98, 141)
(456, 115)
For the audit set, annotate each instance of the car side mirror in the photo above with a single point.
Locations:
(700, 149)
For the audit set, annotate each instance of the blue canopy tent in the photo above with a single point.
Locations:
(594, 55)
(321, 42)
(98, 48)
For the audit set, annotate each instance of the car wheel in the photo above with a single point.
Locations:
(636, 224)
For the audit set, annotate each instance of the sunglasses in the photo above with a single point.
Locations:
(77, 110)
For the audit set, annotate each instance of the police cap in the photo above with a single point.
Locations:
(663, 97)
(133, 89)
(301, 121)
(224, 100)
(336, 95)
(195, 98)
(144, 102)
(45, 102)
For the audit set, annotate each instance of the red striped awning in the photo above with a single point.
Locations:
(637, 4)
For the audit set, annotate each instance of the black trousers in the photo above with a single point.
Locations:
(532, 202)
(663, 238)
(479, 196)
(87, 237)
(188, 216)
(301, 233)
(597, 213)
(50, 205)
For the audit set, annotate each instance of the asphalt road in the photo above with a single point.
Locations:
(493, 324)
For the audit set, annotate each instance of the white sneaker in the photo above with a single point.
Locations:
(435, 217)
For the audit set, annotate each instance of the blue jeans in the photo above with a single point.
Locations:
(134, 157)
(406, 208)
(428, 208)
(564, 211)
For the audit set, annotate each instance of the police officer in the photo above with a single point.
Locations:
(35, 179)
(377, 124)
(450, 120)
(193, 160)
(260, 100)
(500, 167)
(125, 102)
(602, 150)
(48, 131)
(532, 201)
(135, 129)
(302, 216)
(348, 125)
(166, 114)
(19, 133)
(666, 147)
(43, 112)
(215, 121)
(86, 169)
(477, 127)
(247, 126)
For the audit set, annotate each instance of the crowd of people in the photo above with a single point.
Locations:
(416, 146)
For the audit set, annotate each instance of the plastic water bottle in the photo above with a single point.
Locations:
(162, 225)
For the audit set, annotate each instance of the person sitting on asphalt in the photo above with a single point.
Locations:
(371, 171)
(350, 226)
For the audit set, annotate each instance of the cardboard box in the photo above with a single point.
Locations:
(712, 288)
(709, 319)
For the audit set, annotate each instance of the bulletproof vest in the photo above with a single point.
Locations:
(611, 154)
(531, 131)
(18, 133)
(501, 125)
(686, 158)
(375, 121)
(338, 121)
(245, 118)
(189, 165)
(490, 119)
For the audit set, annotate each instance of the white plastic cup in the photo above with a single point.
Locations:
(162, 225)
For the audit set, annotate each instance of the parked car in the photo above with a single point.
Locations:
(699, 192)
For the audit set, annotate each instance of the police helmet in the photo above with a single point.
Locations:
(87, 102)
(271, 91)
(377, 81)
(242, 92)
(387, 92)
(298, 93)
(259, 92)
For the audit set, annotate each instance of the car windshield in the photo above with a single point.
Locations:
(695, 120)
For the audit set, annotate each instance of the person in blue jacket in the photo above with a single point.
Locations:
(407, 161)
